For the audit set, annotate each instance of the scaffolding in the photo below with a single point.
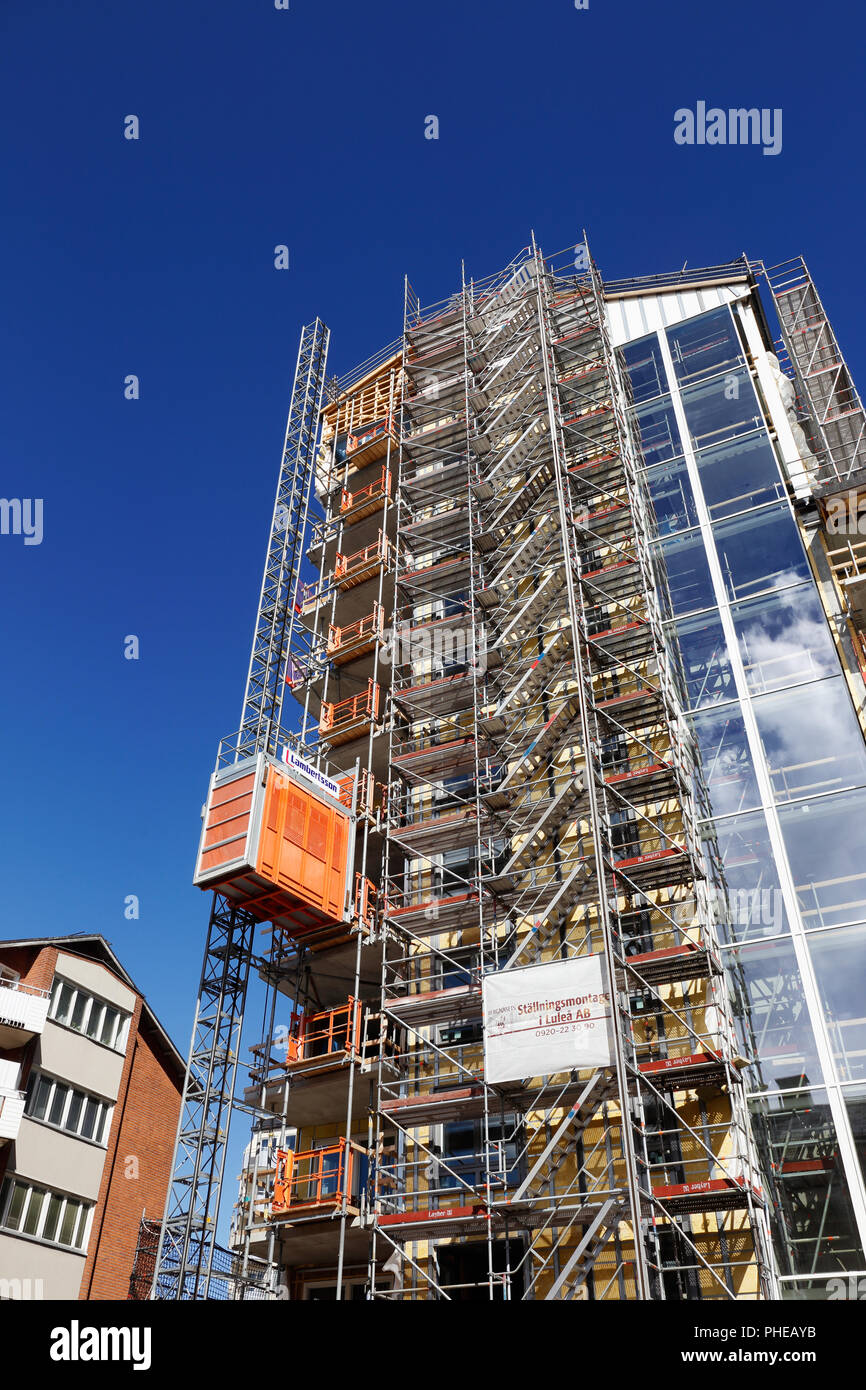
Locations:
(227, 1282)
(831, 410)
(318, 1080)
(540, 809)
(480, 666)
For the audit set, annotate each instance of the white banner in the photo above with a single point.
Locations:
(545, 1019)
(307, 770)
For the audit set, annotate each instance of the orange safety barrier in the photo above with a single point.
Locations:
(346, 716)
(371, 798)
(350, 566)
(363, 633)
(365, 901)
(317, 1178)
(368, 434)
(376, 491)
(318, 1035)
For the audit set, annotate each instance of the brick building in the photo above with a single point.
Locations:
(90, 1091)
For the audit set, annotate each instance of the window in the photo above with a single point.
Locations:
(704, 346)
(463, 1149)
(77, 1009)
(38, 1096)
(464, 1275)
(760, 551)
(614, 752)
(455, 967)
(671, 495)
(659, 432)
(824, 842)
(797, 1141)
(450, 794)
(738, 476)
(624, 834)
(748, 885)
(60, 1104)
(330, 1173)
(110, 1025)
(327, 1293)
(688, 574)
(811, 738)
(645, 367)
(705, 660)
(722, 409)
(62, 996)
(461, 1034)
(784, 639)
(726, 763)
(839, 958)
(50, 1216)
(855, 1101)
(772, 1016)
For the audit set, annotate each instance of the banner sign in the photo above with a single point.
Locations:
(307, 770)
(546, 1018)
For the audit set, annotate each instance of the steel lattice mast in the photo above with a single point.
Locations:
(192, 1207)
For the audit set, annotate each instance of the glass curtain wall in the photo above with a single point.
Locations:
(784, 772)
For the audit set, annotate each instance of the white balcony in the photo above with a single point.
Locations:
(23, 1010)
(11, 1110)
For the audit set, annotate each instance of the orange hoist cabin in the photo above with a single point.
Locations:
(280, 845)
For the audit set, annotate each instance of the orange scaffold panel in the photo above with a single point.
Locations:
(350, 717)
(366, 497)
(356, 638)
(303, 845)
(319, 1035)
(314, 1179)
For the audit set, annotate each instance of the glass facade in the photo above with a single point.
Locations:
(782, 792)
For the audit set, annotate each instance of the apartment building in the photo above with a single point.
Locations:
(90, 1089)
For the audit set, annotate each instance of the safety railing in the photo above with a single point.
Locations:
(365, 499)
(366, 902)
(369, 435)
(23, 1006)
(358, 636)
(319, 1179)
(347, 716)
(369, 803)
(322, 1034)
(21, 987)
(362, 563)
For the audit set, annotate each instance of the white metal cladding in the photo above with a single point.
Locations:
(632, 318)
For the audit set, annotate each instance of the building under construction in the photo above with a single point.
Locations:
(540, 825)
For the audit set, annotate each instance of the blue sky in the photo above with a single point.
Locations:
(261, 127)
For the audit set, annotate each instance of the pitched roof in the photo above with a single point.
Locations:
(94, 946)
